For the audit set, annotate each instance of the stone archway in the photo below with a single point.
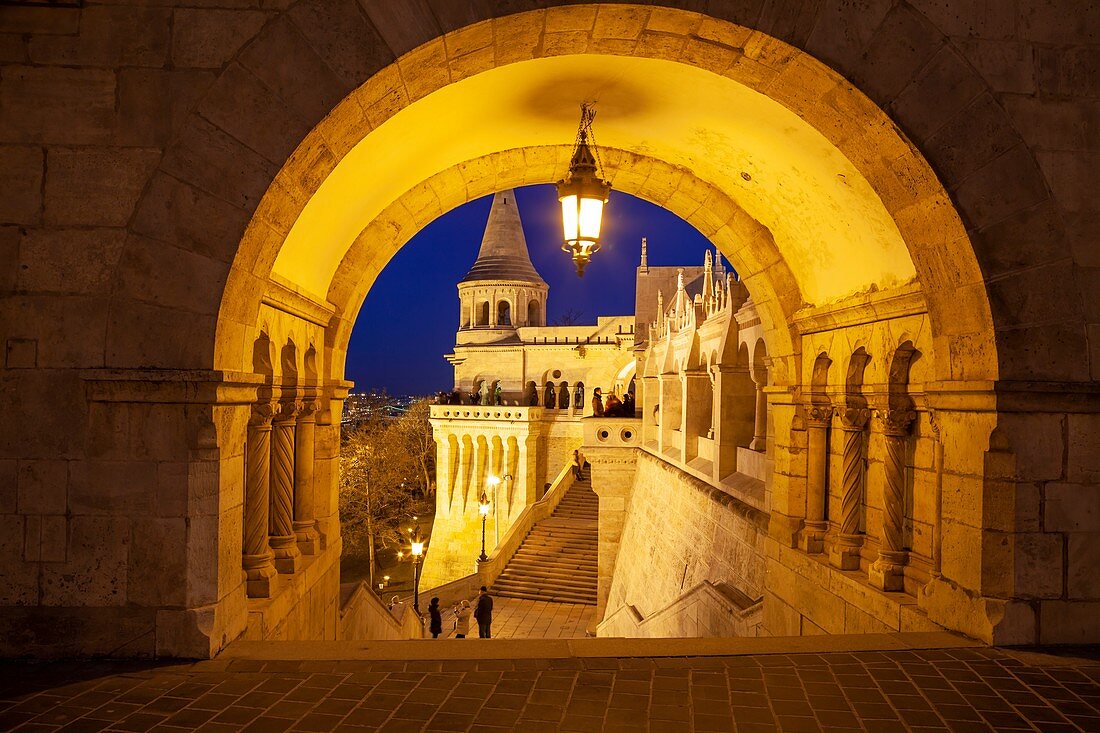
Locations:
(167, 340)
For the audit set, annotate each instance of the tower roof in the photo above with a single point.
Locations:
(503, 254)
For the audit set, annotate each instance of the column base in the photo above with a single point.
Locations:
(844, 553)
(308, 538)
(259, 572)
(288, 559)
(811, 539)
(758, 444)
(887, 573)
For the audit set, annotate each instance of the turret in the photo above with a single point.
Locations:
(502, 291)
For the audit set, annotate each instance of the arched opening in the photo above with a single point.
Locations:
(563, 396)
(578, 397)
(534, 313)
(504, 313)
(734, 195)
(531, 394)
(549, 396)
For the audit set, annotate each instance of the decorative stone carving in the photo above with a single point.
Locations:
(283, 540)
(845, 551)
(886, 572)
(257, 560)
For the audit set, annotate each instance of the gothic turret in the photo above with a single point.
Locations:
(502, 291)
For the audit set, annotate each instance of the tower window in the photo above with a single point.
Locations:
(504, 313)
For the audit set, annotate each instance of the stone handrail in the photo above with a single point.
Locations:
(743, 611)
(467, 586)
(531, 515)
(363, 615)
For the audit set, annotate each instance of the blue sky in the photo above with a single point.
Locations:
(409, 318)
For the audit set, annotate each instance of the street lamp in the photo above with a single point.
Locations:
(494, 481)
(582, 194)
(416, 551)
(483, 510)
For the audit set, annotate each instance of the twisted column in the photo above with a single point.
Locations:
(886, 572)
(845, 551)
(283, 541)
(257, 555)
(812, 537)
(305, 520)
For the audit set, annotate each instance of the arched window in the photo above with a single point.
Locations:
(483, 313)
(563, 396)
(533, 313)
(504, 313)
(531, 395)
(549, 399)
(578, 396)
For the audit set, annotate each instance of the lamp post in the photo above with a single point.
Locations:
(416, 551)
(583, 194)
(495, 481)
(483, 510)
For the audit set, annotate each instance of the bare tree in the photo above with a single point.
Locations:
(377, 473)
(571, 317)
(416, 432)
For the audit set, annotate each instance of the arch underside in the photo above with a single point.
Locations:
(778, 178)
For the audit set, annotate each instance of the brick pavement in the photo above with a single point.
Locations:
(959, 690)
(520, 618)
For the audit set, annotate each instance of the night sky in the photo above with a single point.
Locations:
(410, 316)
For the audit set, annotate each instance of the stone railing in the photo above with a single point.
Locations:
(729, 612)
(363, 616)
(486, 412)
(467, 586)
(531, 515)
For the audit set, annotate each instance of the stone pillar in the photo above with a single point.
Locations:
(283, 540)
(305, 521)
(508, 468)
(257, 561)
(443, 463)
(760, 430)
(812, 537)
(845, 551)
(886, 573)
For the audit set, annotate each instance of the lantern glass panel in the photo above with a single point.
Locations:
(591, 216)
(570, 217)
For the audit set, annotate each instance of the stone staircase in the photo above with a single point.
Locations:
(557, 560)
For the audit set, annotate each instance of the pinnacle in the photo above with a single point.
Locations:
(503, 254)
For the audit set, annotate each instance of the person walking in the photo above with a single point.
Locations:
(436, 624)
(578, 465)
(483, 612)
(462, 619)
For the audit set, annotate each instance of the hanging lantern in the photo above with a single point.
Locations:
(583, 194)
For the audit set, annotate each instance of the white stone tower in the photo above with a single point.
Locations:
(502, 291)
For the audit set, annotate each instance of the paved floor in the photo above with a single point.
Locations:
(519, 618)
(959, 690)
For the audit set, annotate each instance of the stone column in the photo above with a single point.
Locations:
(283, 540)
(305, 522)
(443, 463)
(508, 468)
(812, 537)
(845, 551)
(886, 573)
(257, 561)
(760, 430)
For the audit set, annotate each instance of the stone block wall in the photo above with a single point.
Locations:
(136, 144)
(680, 532)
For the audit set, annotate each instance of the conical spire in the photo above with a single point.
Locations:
(503, 254)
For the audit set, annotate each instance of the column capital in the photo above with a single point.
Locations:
(819, 415)
(854, 418)
(287, 410)
(896, 422)
(308, 410)
(262, 414)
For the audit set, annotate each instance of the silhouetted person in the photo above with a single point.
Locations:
(597, 403)
(578, 465)
(628, 404)
(436, 624)
(614, 406)
(484, 614)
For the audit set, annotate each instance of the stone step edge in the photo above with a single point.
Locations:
(243, 655)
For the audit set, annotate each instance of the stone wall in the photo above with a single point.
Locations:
(137, 143)
(680, 532)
